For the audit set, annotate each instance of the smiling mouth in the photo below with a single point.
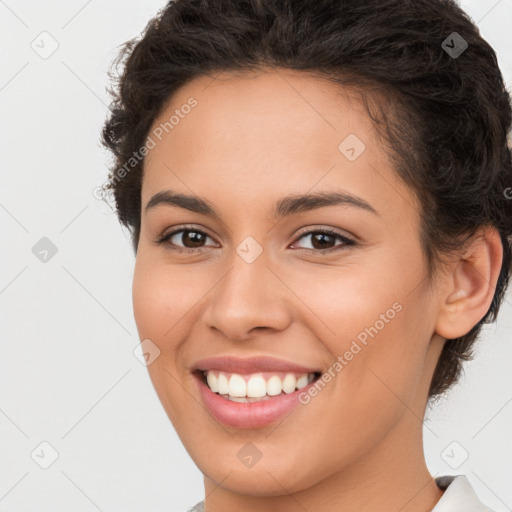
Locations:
(258, 386)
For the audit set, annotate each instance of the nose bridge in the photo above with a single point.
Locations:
(248, 295)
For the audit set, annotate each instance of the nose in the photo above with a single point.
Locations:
(248, 298)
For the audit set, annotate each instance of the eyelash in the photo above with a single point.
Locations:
(347, 242)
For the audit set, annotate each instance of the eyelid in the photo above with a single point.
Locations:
(320, 228)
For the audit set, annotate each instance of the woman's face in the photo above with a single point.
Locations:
(262, 280)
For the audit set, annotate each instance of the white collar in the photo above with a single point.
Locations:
(459, 495)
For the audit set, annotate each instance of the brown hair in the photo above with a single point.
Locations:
(446, 129)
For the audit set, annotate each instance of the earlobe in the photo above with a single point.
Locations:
(470, 284)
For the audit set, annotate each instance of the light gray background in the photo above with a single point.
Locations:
(68, 375)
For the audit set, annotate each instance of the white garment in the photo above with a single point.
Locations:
(198, 507)
(458, 496)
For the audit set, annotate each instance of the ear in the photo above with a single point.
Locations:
(469, 284)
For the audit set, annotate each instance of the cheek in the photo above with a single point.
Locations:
(373, 326)
(147, 300)
(162, 295)
(383, 355)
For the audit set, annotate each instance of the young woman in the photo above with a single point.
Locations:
(320, 198)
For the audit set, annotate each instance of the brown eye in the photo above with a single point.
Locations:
(191, 239)
(322, 240)
(184, 239)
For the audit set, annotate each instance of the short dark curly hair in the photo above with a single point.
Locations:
(442, 115)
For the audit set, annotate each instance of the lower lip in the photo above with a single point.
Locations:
(249, 415)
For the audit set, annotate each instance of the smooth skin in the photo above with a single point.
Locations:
(251, 140)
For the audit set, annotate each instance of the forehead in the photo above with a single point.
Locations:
(272, 108)
(266, 133)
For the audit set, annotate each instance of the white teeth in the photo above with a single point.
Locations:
(250, 388)
(303, 381)
(237, 386)
(289, 383)
(274, 386)
(223, 386)
(256, 386)
(213, 382)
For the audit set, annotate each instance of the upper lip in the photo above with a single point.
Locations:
(250, 365)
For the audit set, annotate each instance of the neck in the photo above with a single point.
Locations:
(392, 476)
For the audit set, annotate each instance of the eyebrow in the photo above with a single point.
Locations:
(281, 208)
